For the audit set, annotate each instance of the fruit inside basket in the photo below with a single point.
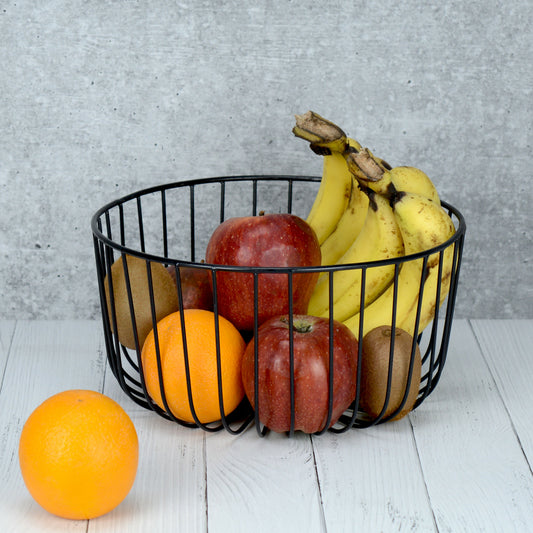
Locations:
(292, 303)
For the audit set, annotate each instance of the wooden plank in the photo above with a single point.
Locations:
(371, 480)
(262, 484)
(44, 358)
(168, 495)
(462, 452)
(475, 472)
(507, 346)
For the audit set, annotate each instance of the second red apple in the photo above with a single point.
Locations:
(311, 386)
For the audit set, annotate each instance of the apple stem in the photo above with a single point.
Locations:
(301, 326)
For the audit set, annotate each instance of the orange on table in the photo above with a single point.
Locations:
(78, 454)
(202, 357)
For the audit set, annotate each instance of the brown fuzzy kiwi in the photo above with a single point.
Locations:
(375, 369)
(165, 298)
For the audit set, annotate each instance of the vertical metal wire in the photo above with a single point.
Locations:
(433, 338)
(164, 222)
(391, 367)
(452, 294)
(254, 197)
(257, 406)
(122, 225)
(289, 196)
(141, 224)
(291, 356)
(222, 201)
(391, 347)
(100, 272)
(331, 369)
(219, 374)
(157, 345)
(188, 369)
(192, 225)
(359, 348)
(131, 305)
(114, 325)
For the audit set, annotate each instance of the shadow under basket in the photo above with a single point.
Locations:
(171, 224)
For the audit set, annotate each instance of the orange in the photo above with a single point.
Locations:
(78, 454)
(202, 357)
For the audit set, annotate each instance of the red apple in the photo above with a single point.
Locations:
(311, 372)
(195, 287)
(266, 240)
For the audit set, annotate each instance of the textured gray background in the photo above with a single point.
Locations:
(101, 98)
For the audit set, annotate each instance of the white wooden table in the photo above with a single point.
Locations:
(462, 462)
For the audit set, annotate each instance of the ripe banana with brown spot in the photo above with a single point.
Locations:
(424, 225)
(379, 239)
(412, 179)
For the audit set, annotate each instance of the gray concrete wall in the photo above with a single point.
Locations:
(101, 98)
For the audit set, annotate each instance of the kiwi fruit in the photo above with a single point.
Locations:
(165, 298)
(375, 370)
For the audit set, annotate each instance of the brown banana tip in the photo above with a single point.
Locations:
(316, 126)
(365, 162)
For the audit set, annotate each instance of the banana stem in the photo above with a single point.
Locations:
(325, 137)
(363, 162)
(321, 133)
(371, 172)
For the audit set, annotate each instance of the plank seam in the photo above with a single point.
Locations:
(8, 354)
(204, 454)
(420, 466)
(322, 512)
(500, 395)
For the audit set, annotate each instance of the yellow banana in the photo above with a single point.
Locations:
(379, 239)
(332, 197)
(438, 271)
(350, 223)
(348, 227)
(424, 225)
(411, 179)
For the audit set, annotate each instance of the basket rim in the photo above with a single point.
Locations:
(124, 250)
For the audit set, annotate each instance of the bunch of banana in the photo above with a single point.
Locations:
(390, 212)
(379, 239)
(423, 225)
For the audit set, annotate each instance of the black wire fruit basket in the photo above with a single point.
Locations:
(170, 225)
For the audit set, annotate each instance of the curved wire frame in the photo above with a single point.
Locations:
(111, 236)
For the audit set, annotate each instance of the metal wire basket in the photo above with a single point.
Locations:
(171, 224)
